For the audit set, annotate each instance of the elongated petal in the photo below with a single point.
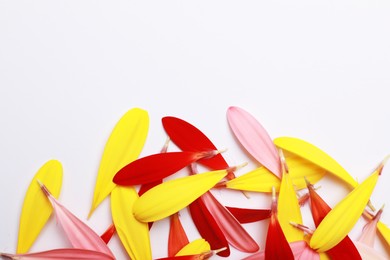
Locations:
(107, 235)
(384, 230)
(77, 232)
(316, 156)
(368, 252)
(235, 234)
(369, 231)
(259, 180)
(133, 234)
(123, 146)
(341, 219)
(289, 210)
(36, 208)
(177, 238)
(255, 139)
(208, 227)
(189, 138)
(249, 215)
(156, 167)
(65, 254)
(345, 249)
(171, 196)
(197, 246)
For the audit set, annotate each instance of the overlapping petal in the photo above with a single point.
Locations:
(64, 254)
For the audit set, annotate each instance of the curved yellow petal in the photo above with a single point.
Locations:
(195, 247)
(123, 146)
(133, 234)
(36, 208)
(169, 197)
(341, 219)
(316, 156)
(324, 256)
(384, 230)
(289, 210)
(258, 180)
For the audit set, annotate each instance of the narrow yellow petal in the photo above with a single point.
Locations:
(341, 219)
(196, 247)
(171, 196)
(36, 208)
(324, 256)
(289, 210)
(258, 180)
(133, 234)
(384, 230)
(316, 156)
(123, 146)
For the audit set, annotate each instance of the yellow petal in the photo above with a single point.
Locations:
(196, 247)
(133, 234)
(36, 208)
(384, 231)
(171, 196)
(341, 219)
(324, 256)
(259, 180)
(289, 210)
(316, 156)
(123, 146)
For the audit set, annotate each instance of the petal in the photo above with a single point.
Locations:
(78, 233)
(249, 215)
(173, 195)
(314, 155)
(341, 219)
(65, 254)
(107, 235)
(235, 234)
(258, 180)
(133, 234)
(189, 138)
(177, 238)
(208, 227)
(368, 252)
(123, 146)
(255, 139)
(197, 246)
(156, 167)
(36, 208)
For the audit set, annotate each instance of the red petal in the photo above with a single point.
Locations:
(346, 248)
(107, 235)
(177, 236)
(208, 227)
(249, 215)
(155, 167)
(189, 138)
(277, 246)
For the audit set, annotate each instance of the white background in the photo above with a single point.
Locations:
(317, 70)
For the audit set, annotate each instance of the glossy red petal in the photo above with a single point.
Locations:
(155, 167)
(208, 227)
(177, 238)
(249, 215)
(107, 235)
(346, 249)
(189, 138)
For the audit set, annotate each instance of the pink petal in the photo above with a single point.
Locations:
(65, 254)
(255, 139)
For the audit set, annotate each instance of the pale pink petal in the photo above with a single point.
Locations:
(255, 139)
(64, 254)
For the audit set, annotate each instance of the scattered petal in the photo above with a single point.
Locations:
(235, 234)
(36, 208)
(177, 238)
(157, 166)
(198, 246)
(255, 139)
(133, 234)
(107, 235)
(173, 195)
(78, 233)
(249, 215)
(341, 219)
(65, 254)
(123, 146)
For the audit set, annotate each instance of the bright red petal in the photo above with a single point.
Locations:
(177, 236)
(208, 227)
(249, 215)
(155, 167)
(107, 235)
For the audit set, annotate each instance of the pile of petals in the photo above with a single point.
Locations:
(141, 194)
